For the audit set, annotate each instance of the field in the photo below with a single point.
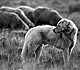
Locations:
(11, 43)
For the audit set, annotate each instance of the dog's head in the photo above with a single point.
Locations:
(67, 26)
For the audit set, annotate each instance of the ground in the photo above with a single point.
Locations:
(11, 43)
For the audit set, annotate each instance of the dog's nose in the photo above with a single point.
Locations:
(54, 30)
(57, 30)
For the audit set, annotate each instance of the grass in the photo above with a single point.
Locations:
(10, 49)
(11, 43)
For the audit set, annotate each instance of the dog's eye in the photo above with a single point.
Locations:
(68, 28)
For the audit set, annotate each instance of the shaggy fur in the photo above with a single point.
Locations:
(63, 37)
(41, 15)
(34, 39)
(19, 12)
(44, 15)
(68, 30)
(12, 21)
(28, 12)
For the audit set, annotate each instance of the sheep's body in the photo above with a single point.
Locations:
(19, 12)
(12, 21)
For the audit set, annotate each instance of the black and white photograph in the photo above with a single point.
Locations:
(39, 34)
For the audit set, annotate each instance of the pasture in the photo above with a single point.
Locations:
(11, 43)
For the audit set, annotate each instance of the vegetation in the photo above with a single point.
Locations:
(11, 43)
